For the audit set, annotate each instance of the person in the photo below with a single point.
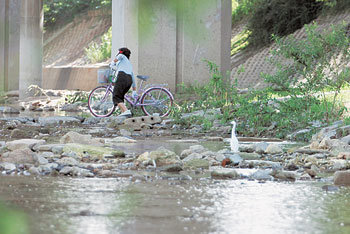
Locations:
(125, 80)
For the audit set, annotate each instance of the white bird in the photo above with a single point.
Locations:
(234, 141)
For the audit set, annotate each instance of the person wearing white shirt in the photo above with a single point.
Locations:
(125, 80)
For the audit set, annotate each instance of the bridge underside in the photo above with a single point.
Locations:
(170, 55)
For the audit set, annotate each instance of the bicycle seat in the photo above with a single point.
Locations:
(143, 77)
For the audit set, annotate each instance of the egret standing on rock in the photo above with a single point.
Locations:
(234, 141)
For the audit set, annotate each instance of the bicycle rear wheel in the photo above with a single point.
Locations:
(157, 101)
(100, 102)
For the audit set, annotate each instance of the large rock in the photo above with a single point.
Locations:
(234, 158)
(193, 149)
(192, 157)
(161, 157)
(19, 156)
(143, 120)
(342, 178)
(58, 120)
(224, 173)
(197, 164)
(40, 159)
(47, 147)
(76, 171)
(346, 139)
(119, 140)
(95, 152)
(74, 137)
(284, 175)
(260, 164)
(75, 107)
(273, 149)
(9, 110)
(7, 166)
(67, 161)
(262, 175)
(340, 164)
(24, 144)
(172, 167)
(260, 147)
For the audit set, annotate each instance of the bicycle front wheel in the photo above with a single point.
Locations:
(157, 101)
(100, 102)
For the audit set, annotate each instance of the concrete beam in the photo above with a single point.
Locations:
(31, 45)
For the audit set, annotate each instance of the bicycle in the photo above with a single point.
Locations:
(153, 99)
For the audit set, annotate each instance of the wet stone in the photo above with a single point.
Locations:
(23, 144)
(192, 157)
(260, 163)
(7, 166)
(340, 164)
(330, 188)
(234, 158)
(262, 175)
(273, 149)
(196, 164)
(284, 175)
(261, 147)
(9, 110)
(224, 173)
(175, 177)
(57, 120)
(67, 161)
(176, 167)
(305, 177)
(40, 159)
(34, 171)
(19, 156)
(342, 178)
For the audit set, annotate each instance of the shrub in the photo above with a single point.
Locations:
(280, 17)
(311, 67)
(63, 10)
(98, 52)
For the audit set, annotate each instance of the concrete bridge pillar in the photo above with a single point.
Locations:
(31, 45)
(9, 44)
(21, 36)
(171, 54)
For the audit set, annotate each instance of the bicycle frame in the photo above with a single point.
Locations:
(136, 102)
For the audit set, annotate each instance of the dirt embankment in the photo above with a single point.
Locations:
(64, 46)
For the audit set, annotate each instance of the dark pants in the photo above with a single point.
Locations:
(121, 87)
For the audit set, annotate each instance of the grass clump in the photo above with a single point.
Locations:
(99, 52)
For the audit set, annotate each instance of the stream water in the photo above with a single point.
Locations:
(65, 205)
(81, 205)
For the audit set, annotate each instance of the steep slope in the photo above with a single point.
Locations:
(65, 46)
(254, 63)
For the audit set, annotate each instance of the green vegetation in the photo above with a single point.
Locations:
(78, 96)
(320, 65)
(12, 222)
(280, 17)
(241, 9)
(239, 42)
(277, 17)
(64, 10)
(98, 52)
(304, 90)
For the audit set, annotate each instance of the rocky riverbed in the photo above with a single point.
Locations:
(82, 146)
